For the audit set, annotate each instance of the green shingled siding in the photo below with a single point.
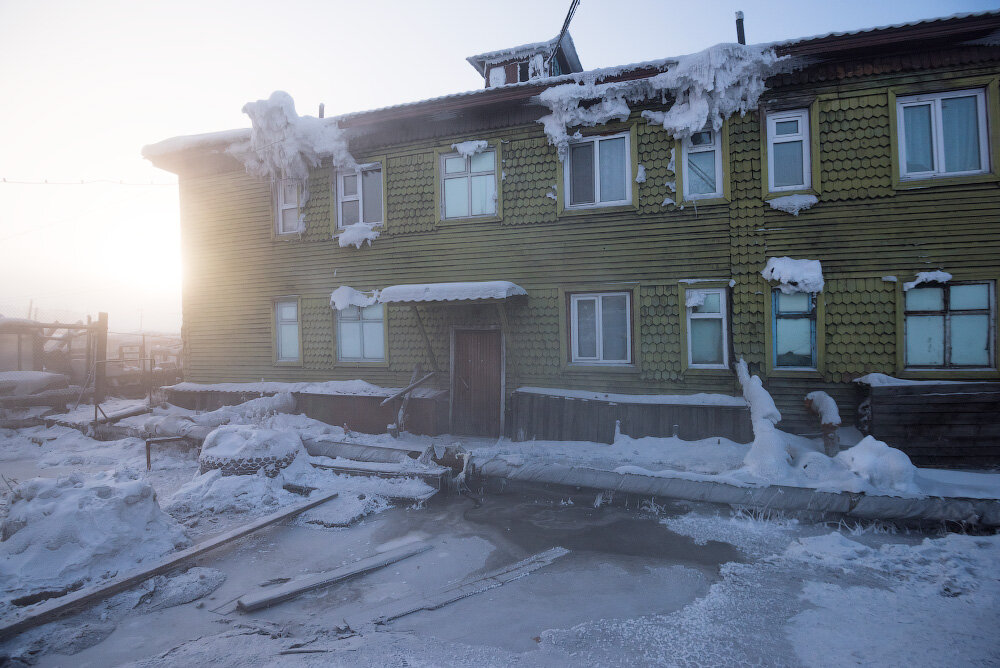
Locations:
(861, 230)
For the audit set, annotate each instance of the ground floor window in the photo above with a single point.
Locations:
(286, 321)
(361, 333)
(794, 324)
(707, 329)
(950, 326)
(601, 328)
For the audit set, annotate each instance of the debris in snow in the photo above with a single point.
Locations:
(927, 277)
(793, 203)
(768, 456)
(467, 149)
(794, 275)
(357, 234)
(248, 443)
(63, 532)
(640, 174)
(880, 465)
(824, 406)
(345, 296)
(706, 88)
(284, 145)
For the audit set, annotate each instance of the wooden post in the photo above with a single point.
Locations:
(427, 340)
(100, 358)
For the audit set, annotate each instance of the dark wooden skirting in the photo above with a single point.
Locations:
(554, 418)
(945, 425)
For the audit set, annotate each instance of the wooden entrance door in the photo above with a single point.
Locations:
(477, 382)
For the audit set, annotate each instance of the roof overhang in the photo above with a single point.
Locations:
(450, 292)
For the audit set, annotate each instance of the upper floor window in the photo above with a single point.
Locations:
(469, 185)
(286, 207)
(702, 175)
(598, 171)
(601, 328)
(361, 333)
(707, 329)
(942, 134)
(286, 325)
(794, 329)
(788, 164)
(359, 195)
(950, 325)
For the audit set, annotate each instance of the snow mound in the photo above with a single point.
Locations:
(77, 529)
(345, 296)
(357, 234)
(250, 442)
(794, 275)
(793, 204)
(927, 277)
(880, 465)
(768, 456)
(23, 383)
(824, 405)
(470, 148)
(213, 493)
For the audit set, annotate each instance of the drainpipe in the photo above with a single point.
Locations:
(740, 37)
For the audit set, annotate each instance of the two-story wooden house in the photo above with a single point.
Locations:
(628, 260)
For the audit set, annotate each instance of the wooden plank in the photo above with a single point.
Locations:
(406, 389)
(292, 589)
(55, 608)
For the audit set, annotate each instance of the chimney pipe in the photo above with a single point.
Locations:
(740, 37)
(322, 107)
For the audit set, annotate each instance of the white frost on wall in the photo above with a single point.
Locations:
(498, 77)
(671, 184)
(694, 298)
(890, 279)
(706, 88)
(345, 296)
(470, 148)
(284, 145)
(794, 275)
(793, 203)
(640, 174)
(927, 277)
(357, 234)
(553, 193)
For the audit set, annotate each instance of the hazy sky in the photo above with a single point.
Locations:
(85, 84)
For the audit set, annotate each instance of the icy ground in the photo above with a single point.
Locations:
(686, 584)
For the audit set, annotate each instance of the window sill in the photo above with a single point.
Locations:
(931, 182)
(493, 218)
(361, 364)
(583, 367)
(786, 193)
(288, 236)
(588, 210)
(287, 364)
(718, 372)
(706, 201)
(795, 373)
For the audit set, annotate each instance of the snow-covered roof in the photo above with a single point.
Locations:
(480, 61)
(448, 292)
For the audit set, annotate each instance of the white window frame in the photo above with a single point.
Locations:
(937, 136)
(467, 175)
(577, 297)
(802, 116)
(687, 148)
(361, 319)
(278, 322)
(359, 197)
(281, 205)
(947, 312)
(596, 139)
(722, 315)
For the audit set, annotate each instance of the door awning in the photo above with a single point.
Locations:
(450, 292)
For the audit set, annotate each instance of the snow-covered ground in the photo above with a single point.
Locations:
(687, 584)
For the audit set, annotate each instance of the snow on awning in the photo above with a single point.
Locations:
(448, 292)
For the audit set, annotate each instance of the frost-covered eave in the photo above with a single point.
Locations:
(216, 142)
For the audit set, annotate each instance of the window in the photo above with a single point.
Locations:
(601, 328)
(287, 219)
(286, 324)
(361, 333)
(707, 329)
(469, 185)
(702, 175)
(794, 330)
(788, 165)
(359, 196)
(950, 325)
(944, 134)
(598, 172)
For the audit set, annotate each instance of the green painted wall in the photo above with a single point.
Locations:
(861, 230)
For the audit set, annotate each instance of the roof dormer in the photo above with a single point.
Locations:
(528, 62)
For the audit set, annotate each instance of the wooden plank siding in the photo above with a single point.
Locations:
(861, 229)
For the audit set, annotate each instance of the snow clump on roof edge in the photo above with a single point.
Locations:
(794, 275)
(707, 88)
